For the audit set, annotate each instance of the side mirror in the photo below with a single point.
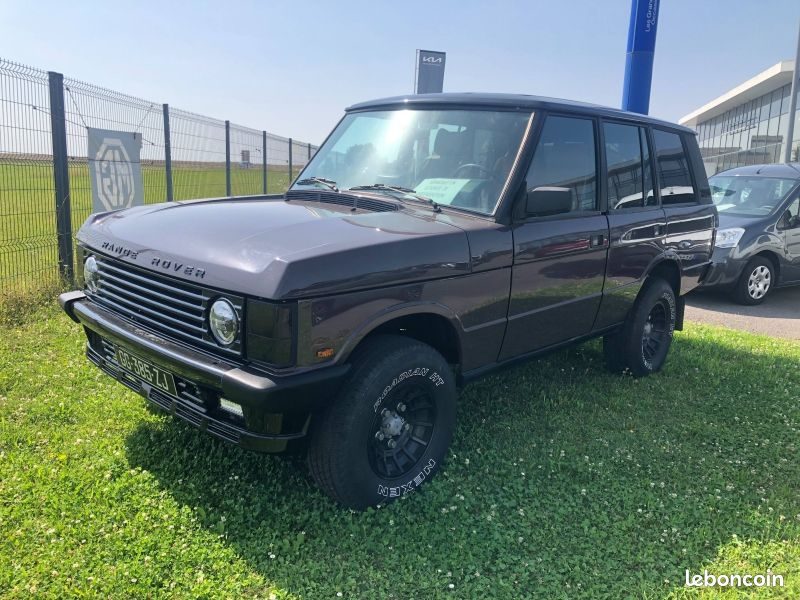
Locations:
(546, 201)
(787, 221)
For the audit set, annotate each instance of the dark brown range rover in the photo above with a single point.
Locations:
(431, 240)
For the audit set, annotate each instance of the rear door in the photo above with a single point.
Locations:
(637, 223)
(560, 244)
(686, 199)
(790, 228)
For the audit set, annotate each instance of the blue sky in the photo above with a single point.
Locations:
(291, 67)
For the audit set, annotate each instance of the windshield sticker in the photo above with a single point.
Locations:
(441, 191)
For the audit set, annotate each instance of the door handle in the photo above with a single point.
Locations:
(597, 240)
(659, 230)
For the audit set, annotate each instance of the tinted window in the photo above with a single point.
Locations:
(673, 168)
(564, 165)
(626, 152)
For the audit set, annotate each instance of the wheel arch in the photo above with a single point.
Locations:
(772, 257)
(431, 324)
(669, 270)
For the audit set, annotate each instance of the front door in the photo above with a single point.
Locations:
(560, 241)
(790, 224)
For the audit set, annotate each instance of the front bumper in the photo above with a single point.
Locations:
(276, 410)
(724, 271)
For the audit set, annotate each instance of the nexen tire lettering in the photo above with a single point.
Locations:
(410, 486)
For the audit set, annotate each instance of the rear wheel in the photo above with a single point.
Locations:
(756, 282)
(389, 429)
(641, 346)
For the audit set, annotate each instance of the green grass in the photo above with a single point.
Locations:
(563, 482)
(28, 248)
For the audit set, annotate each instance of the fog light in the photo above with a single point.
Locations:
(231, 407)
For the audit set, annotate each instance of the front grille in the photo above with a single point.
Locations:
(176, 309)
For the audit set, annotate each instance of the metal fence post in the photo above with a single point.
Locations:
(167, 153)
(228, 158)
(264, 160)
(58, 132)
(290, 164)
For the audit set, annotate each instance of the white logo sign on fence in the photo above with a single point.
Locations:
(114, 169)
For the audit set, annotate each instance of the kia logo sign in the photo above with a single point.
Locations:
(429, 75)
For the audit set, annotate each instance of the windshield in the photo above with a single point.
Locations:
(459, 158)
(749, 196)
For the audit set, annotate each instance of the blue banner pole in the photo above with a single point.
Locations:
(639, 57)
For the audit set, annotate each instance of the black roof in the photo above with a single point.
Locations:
(508, 101)
(782, 170)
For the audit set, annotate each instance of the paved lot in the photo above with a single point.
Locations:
(779, 316)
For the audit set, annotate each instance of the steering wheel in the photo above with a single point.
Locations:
(481, 170)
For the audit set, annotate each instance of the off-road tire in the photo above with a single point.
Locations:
(641, 346)
(400, 376)
(747, 290)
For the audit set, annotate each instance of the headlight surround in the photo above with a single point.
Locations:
(91, 274)
(728, 238)
(223, 322)
(271, 332)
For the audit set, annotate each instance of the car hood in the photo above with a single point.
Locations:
(278, 249)
(726, 221)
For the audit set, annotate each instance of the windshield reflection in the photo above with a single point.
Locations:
(457, 158)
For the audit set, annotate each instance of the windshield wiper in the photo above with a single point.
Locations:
(328, 183)
(382, 187)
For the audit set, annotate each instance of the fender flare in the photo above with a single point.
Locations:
(397, 311)
(668, 256)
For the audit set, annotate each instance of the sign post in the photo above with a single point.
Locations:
(639, 59)
(429, 72)
(794, 90)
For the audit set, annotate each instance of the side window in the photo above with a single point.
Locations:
(630, 179)
(673, 169)
(563, 175)
(791, 218)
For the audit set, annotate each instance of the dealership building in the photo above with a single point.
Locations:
(747, 125)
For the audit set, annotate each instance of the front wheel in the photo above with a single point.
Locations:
(756, 282)
(641, 346)
(389, 429)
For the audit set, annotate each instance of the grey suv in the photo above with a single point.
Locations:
(431, 240)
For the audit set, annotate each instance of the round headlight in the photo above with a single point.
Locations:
(91, 275)
(223, 321)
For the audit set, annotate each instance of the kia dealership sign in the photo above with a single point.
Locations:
(429, 72)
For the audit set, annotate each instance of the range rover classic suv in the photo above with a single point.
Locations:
(431, 240)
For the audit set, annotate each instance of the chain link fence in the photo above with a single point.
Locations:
(45, 189)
